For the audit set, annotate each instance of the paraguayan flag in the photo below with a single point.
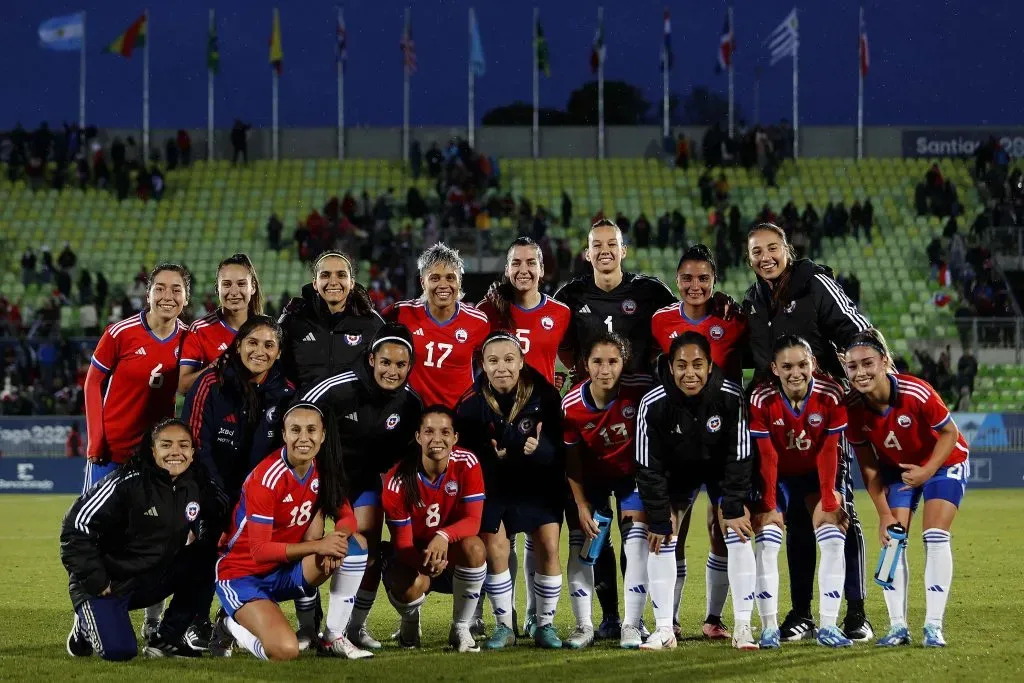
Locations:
(63, 33)
(783, 41)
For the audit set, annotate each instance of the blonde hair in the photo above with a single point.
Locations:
(524, 385)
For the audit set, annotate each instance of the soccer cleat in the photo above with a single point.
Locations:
(933, 636)
(743, 638)
(677, 629)
(897, 635)
(160, 647)
(661, 639)
(714, 629)
(362, 638)
(797, 627)
(547, 638)
(78, 644)
(609, 629)
(149, 629)
(199, 634)
(581, 637)
(478, 628)
(530, 627)
(857, 628)
(221, 641)
(307, 639)
(501, 637)
(341, 646)
(769, 639)
(461, 639)
(831, 636)
(629, 637)
(644, 631)
(409, 630)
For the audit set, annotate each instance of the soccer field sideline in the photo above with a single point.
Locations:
(986, 612)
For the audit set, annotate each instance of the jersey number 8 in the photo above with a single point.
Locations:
(433, 515)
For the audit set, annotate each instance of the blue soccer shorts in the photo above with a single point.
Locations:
(794, 490)
(282, 584)
(948, 483)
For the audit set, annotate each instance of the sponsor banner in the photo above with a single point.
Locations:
(989, 470)
(38, 437)
(959, 142)
(41, 475)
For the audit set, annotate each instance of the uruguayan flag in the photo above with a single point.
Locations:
(63, 33)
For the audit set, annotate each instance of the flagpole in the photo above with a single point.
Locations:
(209, 96)
(341, 92)
(732, 61)
(405, 91)
(665, 68)
(273, 114)
(472, 93)
(860, 87)
(796, 93)
(81, 83)
(145, 92)
(536, 87)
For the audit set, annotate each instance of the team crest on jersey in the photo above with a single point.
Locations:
(192, 511)
(714, 423)
(903, 420)
(526, 425)
(392, 421)
(461, 335)
(716, 332)
(271, 412)
(629, 307)
(628, 411)
(314, 485)
(790, 307)
(547, 322)
(451, 488)
(177, 352)
(353, 339)
(814, 419)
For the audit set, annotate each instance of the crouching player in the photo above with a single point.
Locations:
(909, 448)
(433, 500)
(267, 560)
(796, 419)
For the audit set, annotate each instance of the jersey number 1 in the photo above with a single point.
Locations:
(608, 323)
(443, 349)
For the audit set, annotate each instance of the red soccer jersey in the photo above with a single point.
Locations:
(275, 510)
(907, 431)
(799, 442)
(726, 336)
(443, 371)
(540, 330)
(605, 436)
(206, 339)
(452, 506)
(141, 380)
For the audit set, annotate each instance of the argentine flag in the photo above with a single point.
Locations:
(63, 33)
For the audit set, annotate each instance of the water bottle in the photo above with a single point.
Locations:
(592, 546)
(891, 552)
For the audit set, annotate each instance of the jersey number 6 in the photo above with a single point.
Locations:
(156, 380)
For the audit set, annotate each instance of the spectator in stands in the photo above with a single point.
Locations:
(47, 271)
(678, 229)
(88, 319)
(240, 141)
(790, 216)
(851, 287)
(642, 232)
(102, 290)
(706, 186)
(415, 159)
(184, 143)
(966, 370)
(274, 229)
(682, 152)
(73, 447)
(921, 199)
(63, 278)
(722, 189)
(623, 222)
(664, 227)
(856, 218)
(712, 146)
(171, 154)
(67, 260)
(566, 209)
(84, 287)
(28, 267)
(767, 215)
(434, 160)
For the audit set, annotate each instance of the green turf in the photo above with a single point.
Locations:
(983, 623)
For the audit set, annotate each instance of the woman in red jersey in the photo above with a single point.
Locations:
(240, 295)
(908, 448)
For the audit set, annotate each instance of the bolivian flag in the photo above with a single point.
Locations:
(134, 37)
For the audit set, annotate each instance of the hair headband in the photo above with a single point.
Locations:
(328, 254)
(503, 336)
(306, 405)
(392, 339)
(870, 344)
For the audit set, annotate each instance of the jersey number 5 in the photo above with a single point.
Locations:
(524, 339)
(442, 349)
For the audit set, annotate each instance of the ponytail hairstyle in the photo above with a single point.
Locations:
(779, 291)
(873, 339)
(409, 466)
(256, 301)
(181, 270)
(524, 387)
(358, 300)
(333, 489)
(394, 333)
(610, 339)
(502, 293)
(699, 252)
(788, 341)
(238, 378)
(685, 339)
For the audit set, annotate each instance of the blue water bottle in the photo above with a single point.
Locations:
(591, 549)
(891, 552)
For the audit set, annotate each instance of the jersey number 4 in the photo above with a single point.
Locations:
(443, 351)
(892, 442)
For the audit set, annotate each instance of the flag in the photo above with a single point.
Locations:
(865, 57)
(726, 45)
(63, 33)
(666, 46)
(341, 50)
(408, 46)
(598, 49)
(476, 48)
(134, 37)
(276, 53)
(782, 42)
(540, 46)
(212, 50)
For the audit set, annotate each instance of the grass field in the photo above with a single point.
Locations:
(983, 622)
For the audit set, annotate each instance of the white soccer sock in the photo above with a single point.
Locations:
(245, 638)
(766, 553)
(548, 589)
(938, 574)
(742, 568)
(342, 599)
(467, 584)
(896, 593)
(581, 582)
(529, 572)
(661, 579)
(831, 572)
(499, 588)
(363, 605)
(305, 611)
(677, 594)
(155, 612)
(406, 610)
(634, 583)
(716, 584)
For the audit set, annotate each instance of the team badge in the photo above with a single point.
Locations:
(629, 307)
(353, 339)
(271, 413)
(628, 411)
(716, 332)
(790, 307)
(903, 420)
(451, 488)
(392, 421)
(192, 511)
(547, 323)
(526, 425)
(714, 423)
(177, 352)
(314, 485)
(461, 335)
(814, 419)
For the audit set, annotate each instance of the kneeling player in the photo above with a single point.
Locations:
(909, 448)
(797, 419)
(433, 500)
(268, 561)
(599, 430)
